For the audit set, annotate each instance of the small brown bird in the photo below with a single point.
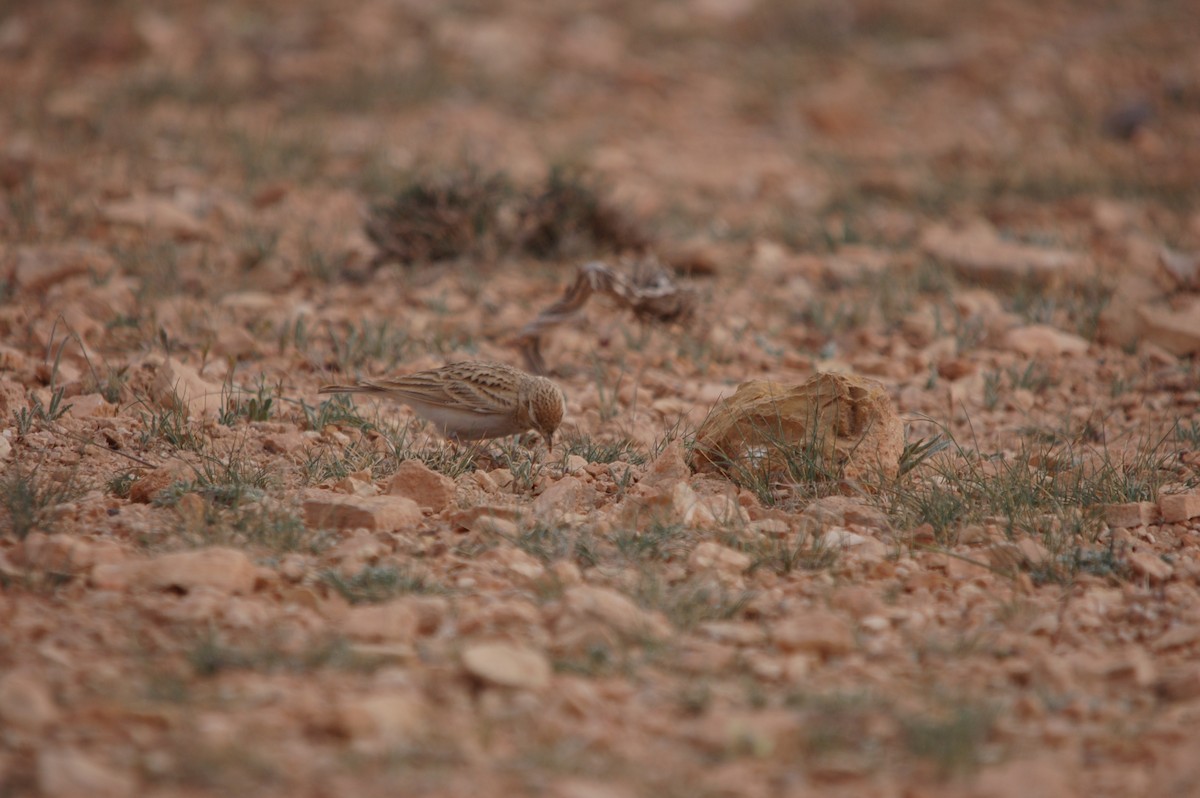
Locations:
(473, 400)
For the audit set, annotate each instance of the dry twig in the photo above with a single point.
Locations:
(650, 292)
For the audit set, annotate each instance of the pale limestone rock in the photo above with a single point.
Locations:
(359, 483)
(1183, 268)
(25, 702)
(91, 405)
(358, 549)
(1149, 566)
(40, 267)
(1046, 776)
(394, 621)
(1178, 508)
(846, 420)
(518, 563)
(577, 787)
(65, 553)
(221, 569)
(979, 254)
(507, 665)
(285, 442)
(1175, 329)
(325, 509)
(1033, 552)
(709, 556)
(1130, 514)
(234, 341)
(383, 719)
(1042, 340)
(717, 511)
(178, 386)
(256, 302)
(155, 213)
(432, 491)
(814, 631)
(69, 772)
(615, 610)
(734, 632)
(1180, 636)
(841, 538)
(494, 525)
(668, 468)
(560, 498)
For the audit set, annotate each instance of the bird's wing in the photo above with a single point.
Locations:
(446, 388)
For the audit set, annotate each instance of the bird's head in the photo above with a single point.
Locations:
(544, 405)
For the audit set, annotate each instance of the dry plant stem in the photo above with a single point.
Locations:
(650, 293)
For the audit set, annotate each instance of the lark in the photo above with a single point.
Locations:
(474, 400)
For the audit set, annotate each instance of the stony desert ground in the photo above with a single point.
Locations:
(982, 216)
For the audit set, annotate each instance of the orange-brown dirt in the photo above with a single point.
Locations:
(212, 582)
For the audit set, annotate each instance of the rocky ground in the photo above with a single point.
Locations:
(212, 581)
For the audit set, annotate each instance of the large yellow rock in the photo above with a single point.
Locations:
(846, 423)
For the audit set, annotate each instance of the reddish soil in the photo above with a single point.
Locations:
(214, 582)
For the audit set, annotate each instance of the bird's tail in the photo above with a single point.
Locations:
(360, 388)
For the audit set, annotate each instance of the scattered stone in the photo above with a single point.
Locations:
(360, 484)
(518, 563)
(325, 509)
(284, 442)
(1179, 683)
(65, 554)
(1149, 566)
(1182, 636)
(709, 556)
(91, 405)
(69, 772)
(1182, 267)
(1032, 552)
(1178, 508)
(847, 421)
(980, 255)
(615, 610)
(668, 468)
(1175, 329)
(40, 267)
(841, 538)
(385, 719)
(830, 511)
(574, 787)
(493, 525)
(507, 665)
(1042, 340)
(178, 386)
(221, 569)
(815, 631)
(1131, 514)
(149, 484)
(396, 620)
(432, 491)
(25, 702)
(1042, 777)
(560, 498)
(155, 213)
